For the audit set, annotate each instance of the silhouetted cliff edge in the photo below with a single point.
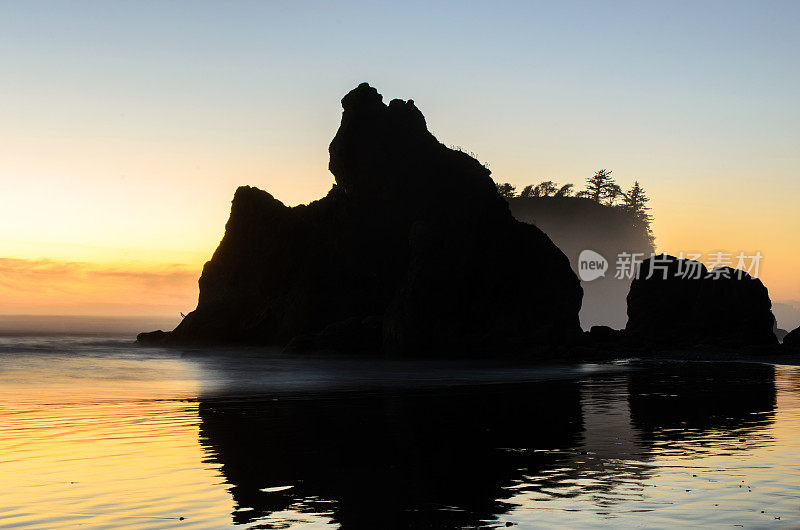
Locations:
(383, 263)
(576, 224)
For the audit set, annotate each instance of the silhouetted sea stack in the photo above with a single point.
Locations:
(412, 252)
(679, 302)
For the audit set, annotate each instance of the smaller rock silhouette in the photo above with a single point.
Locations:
(792, 339)
(674, 301)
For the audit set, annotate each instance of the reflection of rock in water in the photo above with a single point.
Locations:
(606, 418)
(462, 456)
(677, 402)
(608, 464)
(391, 459)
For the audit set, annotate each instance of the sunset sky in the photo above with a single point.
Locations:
(125, 127)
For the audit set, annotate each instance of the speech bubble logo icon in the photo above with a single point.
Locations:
(591, 265)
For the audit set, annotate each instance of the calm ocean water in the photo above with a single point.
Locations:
(96, 432)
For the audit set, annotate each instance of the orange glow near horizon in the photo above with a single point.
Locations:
(47, 287)
(102, 277)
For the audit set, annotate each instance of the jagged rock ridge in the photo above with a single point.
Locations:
(411, 252)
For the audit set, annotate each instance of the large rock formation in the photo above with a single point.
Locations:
(411, 252)
(674, 301)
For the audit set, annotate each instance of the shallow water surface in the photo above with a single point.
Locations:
(99, 432)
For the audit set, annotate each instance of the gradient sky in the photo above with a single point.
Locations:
(125, 127)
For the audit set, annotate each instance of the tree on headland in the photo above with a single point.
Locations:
(506, 190)
(565, 190)
(600, 185)
(601, 188)
(548, 188)
(635, 203)
(635, 199)
(545, 189)
(613, 193)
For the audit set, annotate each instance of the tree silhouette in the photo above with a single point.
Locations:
(565, 190)
(506, 190)
(600, 185)
(635, 203)
(545, 189)
(614, 192)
